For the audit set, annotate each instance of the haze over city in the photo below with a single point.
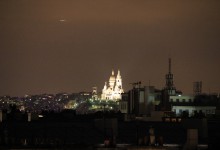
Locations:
(71, 46)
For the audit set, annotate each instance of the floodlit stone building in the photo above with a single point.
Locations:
(112, 90)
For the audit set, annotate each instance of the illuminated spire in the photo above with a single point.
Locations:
(118, 72)
(105, 86)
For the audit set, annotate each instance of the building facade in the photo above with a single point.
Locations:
(140, 100)
(191, 105)
(113, 89)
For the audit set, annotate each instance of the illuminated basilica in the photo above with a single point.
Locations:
(113, 89)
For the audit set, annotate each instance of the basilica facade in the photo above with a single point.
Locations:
(112, 90)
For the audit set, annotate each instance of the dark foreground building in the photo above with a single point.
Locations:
(89, 131)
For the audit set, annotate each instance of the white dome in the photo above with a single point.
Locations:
(112, 77)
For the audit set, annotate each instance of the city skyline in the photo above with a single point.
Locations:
(71, 46)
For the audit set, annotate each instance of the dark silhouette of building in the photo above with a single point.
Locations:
(197, 87)
(169, 90)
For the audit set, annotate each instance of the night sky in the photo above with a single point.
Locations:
(52, 46)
